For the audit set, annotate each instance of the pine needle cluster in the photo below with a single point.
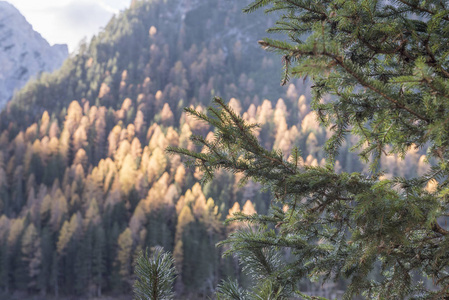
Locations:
(155, 274)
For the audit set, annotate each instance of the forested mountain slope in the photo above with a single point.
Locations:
(85, 182)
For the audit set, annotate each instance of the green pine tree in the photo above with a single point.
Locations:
(98, 259)
(124, 257)
(380, 73)
(32, 256)
(155, 275)
(44, 279)
(5, 267)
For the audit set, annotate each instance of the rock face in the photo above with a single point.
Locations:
(24, 53)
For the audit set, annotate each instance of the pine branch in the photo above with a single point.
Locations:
(155, 275)
(420, 8)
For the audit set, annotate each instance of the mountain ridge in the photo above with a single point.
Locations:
(24, 53)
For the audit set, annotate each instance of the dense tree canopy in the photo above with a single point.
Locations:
(379, 72)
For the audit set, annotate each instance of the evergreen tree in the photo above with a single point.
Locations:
(124, 256)
(98, 259)
(47, 256)
(380, 73)
(5, 269)
(54, 275)
(83, 262)
(32, 255)
(155, 275)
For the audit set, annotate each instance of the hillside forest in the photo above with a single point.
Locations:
(85, 182)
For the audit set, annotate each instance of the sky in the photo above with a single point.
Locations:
(68, 21)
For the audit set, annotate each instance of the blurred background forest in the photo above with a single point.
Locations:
(85, 182)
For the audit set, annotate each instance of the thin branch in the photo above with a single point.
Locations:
(421, 9)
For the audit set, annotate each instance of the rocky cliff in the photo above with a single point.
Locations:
(24, 53)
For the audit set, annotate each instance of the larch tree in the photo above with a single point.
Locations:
(380, 73)
(32, 255)
(124, 255)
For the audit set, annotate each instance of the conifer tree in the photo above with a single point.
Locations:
(155, 275)
(380, 73)
(32, 255)
(98, 263)
(124, 256)
(47, 255)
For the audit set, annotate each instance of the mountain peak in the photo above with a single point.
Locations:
(24, 53)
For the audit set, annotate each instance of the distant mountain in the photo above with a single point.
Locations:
(24, 53)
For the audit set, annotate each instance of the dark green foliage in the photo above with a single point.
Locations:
(47, 256)
(98, 260)
(155, 275)
(5, 268)
(161, 230)
(229, 289)
(199, 251)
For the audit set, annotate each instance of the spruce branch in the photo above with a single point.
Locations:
(422, 9)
